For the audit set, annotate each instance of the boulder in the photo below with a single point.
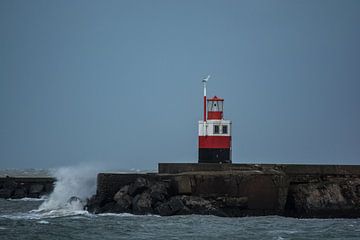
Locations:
(195, 201)
(233, 202)
(142, 203)
(351, 191)
(335, 198)
(174, 206)
(137, 187)
(123, 199)
(123, 191)
(159, 192)
(316, 196)
(95, 204)
(111, 207)
(199, 205)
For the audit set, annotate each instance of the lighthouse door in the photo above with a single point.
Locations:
(215, 155)
(220, 155)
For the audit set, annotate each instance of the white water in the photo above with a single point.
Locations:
(70, 181)
(76, 181)
(26, 199)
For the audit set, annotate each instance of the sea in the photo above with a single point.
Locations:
(54, 217)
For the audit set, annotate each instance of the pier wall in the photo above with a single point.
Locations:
(21, 187)
(262, 189)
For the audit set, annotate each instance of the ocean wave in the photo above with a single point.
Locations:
(27, 199)
(71, 182)
(36, 215)
(281, 231)
(116, 215)
(60, 213)
(20, 216)
(125, 215)
(43, 222)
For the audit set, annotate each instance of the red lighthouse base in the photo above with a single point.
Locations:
(214, 149)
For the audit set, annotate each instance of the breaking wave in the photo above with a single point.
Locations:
(73, 186)
(27, 199)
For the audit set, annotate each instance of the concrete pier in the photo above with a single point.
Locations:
(21, 187)
(240, 190)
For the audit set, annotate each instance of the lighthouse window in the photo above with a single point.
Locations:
(216, 129)
(224, 129)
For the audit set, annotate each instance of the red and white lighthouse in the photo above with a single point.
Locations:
(214, 132)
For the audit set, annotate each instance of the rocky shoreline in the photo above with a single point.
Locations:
(270, 191)
(146, 197)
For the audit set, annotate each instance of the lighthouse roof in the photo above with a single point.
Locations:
(215, 98)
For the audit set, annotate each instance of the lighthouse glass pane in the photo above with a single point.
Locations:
(224, 129)
(210, 106)
(215, 106)
(220, 105)
(216, 129)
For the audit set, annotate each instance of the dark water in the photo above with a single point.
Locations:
(17, 221)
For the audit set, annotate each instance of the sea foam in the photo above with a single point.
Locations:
(71, 181)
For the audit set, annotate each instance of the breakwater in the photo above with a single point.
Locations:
(233, 190)
(21, 187)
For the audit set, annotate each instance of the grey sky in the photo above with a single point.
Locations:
(119, 82)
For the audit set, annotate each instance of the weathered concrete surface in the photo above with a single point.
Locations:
(20, 187)
(233, 190)
(289, 169)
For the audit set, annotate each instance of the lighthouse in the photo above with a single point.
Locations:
(214, 131)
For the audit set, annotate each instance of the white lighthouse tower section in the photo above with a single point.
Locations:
(215, 128)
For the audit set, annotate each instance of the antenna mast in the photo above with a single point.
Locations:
(204, 82)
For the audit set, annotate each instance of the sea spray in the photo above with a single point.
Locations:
(71, 181)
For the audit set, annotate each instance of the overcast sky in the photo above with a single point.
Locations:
(119, 82)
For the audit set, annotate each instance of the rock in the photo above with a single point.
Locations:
(123, 199)
(351, 191)
(140, 185)
(123, 191)
(316, 196)
(111, 207)
(159, 192)
(199, 205)
(172, 207)
(142, 203)
(333, 198)
(95, 204)
(194, 201)
(237, 202)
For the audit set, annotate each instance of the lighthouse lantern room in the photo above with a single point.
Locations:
(214, 132)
